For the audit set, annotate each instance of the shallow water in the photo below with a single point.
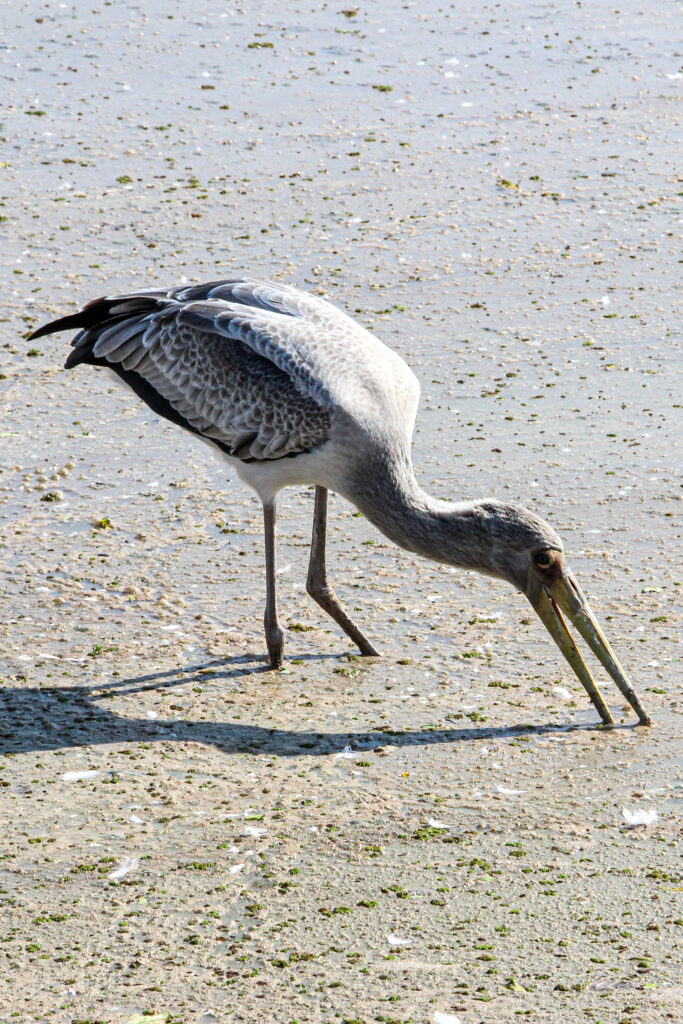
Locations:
(503, 212)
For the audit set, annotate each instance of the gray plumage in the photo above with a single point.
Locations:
(290, 390)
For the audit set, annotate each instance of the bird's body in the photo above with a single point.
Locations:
(290, 390)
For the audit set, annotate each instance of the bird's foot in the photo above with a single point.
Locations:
(275, 643)
(275, 657)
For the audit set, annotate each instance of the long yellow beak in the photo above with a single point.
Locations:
(563, 594)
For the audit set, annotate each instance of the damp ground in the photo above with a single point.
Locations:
(439, 835)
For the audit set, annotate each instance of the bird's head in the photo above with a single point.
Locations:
(527, 552)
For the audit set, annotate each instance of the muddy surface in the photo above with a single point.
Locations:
(439, 836)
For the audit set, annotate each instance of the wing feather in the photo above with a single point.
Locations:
(256, 366)
(224, 390)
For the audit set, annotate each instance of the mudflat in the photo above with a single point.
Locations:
(443, 835)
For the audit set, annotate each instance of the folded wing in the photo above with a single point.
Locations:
(230, 361)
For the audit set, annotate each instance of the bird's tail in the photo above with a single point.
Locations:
(98, 315)
(104, 311)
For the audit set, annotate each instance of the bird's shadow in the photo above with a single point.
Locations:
(53, 718)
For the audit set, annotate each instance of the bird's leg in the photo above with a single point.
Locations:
(317, 583)
(274, 634)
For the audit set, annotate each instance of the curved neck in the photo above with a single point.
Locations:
(390, 497)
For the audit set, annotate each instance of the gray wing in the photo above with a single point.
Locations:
(205, 365)
(256, 366)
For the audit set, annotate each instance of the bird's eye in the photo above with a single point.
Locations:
(543, 560)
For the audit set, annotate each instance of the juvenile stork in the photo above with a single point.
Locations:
(290, 390)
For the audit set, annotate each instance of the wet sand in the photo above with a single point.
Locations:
(492, 190)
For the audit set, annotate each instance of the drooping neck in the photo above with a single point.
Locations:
(452, 533)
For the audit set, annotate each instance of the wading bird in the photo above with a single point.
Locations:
(290, 390)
